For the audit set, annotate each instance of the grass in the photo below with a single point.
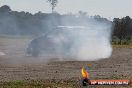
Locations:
(36, 84)
(42, 84)
(7, 39)
(122, 46)
(23, 84)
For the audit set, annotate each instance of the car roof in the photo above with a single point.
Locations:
(70, 27)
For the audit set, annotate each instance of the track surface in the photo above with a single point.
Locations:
(15, 65)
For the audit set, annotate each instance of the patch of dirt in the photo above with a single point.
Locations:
(15, 65)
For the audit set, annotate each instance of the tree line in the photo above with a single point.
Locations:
(122, 33)
(25, 23)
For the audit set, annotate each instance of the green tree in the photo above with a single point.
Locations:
(53, 4)
(121, 27)
(5, 8)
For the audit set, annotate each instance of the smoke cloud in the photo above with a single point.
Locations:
(93, 43)
(87, 42)
(68, 37)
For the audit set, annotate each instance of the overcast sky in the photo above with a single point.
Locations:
(105, 8)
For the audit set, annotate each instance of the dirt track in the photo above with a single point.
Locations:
(15, 65)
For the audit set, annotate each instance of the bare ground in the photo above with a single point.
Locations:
(15, 65)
